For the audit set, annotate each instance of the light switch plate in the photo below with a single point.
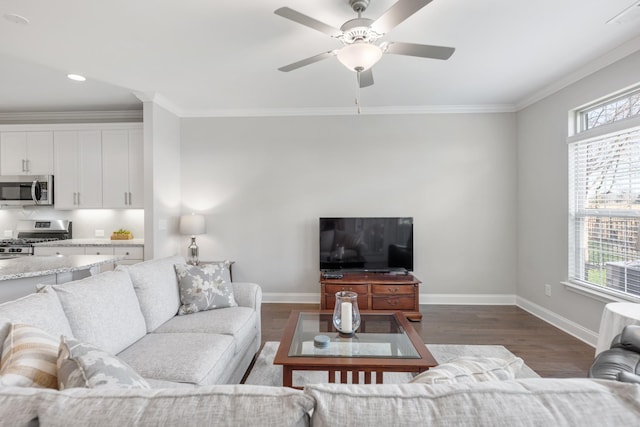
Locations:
(8, 233)
(162, 224)
(99, 233)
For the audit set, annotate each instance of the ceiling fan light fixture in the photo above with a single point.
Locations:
(359, 56)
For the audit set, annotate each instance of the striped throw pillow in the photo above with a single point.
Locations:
(29, 357)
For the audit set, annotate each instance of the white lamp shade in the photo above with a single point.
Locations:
(192, 224)
(359, 56)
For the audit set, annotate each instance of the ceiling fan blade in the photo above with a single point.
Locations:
(365, 78)
(307, 61)
(307, 21)
(397, 13)
(421, 50)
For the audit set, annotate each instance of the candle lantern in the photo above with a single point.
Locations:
(346, 316)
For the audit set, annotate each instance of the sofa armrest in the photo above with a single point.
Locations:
(248, 295)
(629, 339)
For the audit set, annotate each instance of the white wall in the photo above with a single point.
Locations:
(162, 180)
(543, 198)
(263, 182)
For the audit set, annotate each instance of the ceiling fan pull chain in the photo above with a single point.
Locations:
(358, 91)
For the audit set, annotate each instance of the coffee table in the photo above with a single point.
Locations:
(384, 342)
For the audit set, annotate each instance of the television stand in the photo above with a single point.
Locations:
(376, 291)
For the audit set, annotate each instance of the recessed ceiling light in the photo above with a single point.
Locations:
(77, 77)
(16, 19)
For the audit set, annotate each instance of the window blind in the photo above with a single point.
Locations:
(604, 211)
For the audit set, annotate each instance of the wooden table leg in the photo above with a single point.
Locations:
(287, 376)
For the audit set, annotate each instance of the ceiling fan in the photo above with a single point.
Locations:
(359, 36)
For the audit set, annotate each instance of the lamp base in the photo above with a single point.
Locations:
(192, 251)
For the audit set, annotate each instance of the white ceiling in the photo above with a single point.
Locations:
(217, 57)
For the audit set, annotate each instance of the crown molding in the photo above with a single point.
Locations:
(72, 116)
(609, 58)
(352, 111)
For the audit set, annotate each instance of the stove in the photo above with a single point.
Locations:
(31, 232)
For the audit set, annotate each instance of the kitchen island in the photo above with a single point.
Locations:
(20, 276)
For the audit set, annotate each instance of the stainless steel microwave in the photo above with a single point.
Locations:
(26, 190)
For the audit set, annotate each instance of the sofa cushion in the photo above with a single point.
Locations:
(156, 286)
(41, 309)
(186, 357)
(525, 402)
(471, 370)
(222, 405)
(84, 365)
(204, 288)
(19, 405)
(29, 358)
(239, 322)
(103, 310)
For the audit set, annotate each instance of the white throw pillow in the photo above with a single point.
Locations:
(204, 288)
(471, 370)
(29, 358)
(84, 365)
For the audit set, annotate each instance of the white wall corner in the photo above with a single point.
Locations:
(572, 328)
(160, 100)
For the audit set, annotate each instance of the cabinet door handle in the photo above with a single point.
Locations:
(125, 198)
(78, 202)
(129, 198)
(28, 165)
(24, 165)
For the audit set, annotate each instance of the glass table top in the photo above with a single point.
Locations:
(379, 335)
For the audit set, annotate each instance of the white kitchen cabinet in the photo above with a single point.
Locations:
(132, 254)
(122, 169)
(26, 153)
(78, 169)
(58, 250)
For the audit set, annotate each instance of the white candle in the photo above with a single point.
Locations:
(347, 320)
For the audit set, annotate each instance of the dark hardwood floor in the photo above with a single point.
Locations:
(546, 349)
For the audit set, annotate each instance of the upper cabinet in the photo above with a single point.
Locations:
(78, 169)
(26, 153)
(122, 169)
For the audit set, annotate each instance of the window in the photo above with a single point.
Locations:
(604, 197)
(610, 111)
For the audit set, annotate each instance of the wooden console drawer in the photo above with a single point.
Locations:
(363, 301)
(392, 289)
(392, 302)
(359, 289)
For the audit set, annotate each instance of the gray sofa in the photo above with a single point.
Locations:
(131, 313)
(523, 402)
(187, 359)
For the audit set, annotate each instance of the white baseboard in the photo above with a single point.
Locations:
(291, 298)
(467, 299)
(572, 328)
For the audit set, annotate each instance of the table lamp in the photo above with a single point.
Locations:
(192, 225)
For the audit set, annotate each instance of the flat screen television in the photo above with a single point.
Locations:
(366, 243)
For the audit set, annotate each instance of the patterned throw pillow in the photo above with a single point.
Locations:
(84, 365)
(471, 370)
(29, 358)
(204, 288)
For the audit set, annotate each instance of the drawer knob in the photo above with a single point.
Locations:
(126, 253)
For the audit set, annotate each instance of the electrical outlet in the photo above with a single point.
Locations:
(99, 233)
(8, 233)
(547, 290)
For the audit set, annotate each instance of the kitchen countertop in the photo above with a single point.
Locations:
(92, 242)
(34, 266)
